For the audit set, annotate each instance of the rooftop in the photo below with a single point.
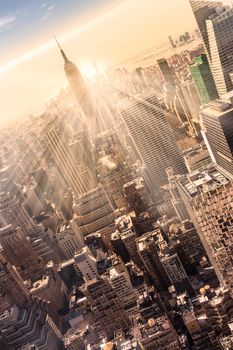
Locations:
(202, 181)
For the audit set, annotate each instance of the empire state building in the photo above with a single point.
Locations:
(79, 87)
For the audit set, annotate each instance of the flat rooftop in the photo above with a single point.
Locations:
(202, 181)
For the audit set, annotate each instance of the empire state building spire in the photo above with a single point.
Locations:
(78, 86)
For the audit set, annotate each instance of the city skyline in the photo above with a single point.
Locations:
(100, 38)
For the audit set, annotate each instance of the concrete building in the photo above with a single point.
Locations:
(176, 272)
(218, 130)
(215, 24)
(29, 326)
(120, 281)
(12, 211)
(197, 158)
(50, 288)
(107, 308)
(56, 137)
(69, 239)
(13, 290)
(18, 251)
(86, 263)
(203, 79)
(144, 117)
(207, 196)
(148, 247)
(94, 212)
(167, 72)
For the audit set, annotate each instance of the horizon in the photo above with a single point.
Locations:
(37, 69)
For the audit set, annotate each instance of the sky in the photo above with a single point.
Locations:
(103, 31)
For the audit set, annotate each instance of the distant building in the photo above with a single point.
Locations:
(218, 131)
(215, 24)
(167, 72)
(203, 79)
(147, 124)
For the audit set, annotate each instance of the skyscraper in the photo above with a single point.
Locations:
(218, 131)
(215, 23)
(166, 71)
(18, 251)
(152, 136)
(94, 119)
(78, 177)
(202, 76)
(106, 306)
(78, 86)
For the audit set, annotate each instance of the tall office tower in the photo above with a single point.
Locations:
(171, 41)
(215, 24)
(202, 76)
(86, 264)
(167, 72)
(107, 308)
(78, 86)
(190, 101)
(176, 199)
(120, 281)
(207, 196)
(113, 175)
(176, 272)
(128, 237)
(94, 212)
(153, 137)
(18, 251)
(138, 197)
(83, 96)
(69, 239)
(12, 287)
(218, 132)
(148, 248)
(52, 289)
(12, 211)
(56, 136)
(30, 326)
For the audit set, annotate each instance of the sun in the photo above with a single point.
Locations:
(88, 70)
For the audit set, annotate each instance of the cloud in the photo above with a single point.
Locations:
(5, 22)
(44, 5)
(50, 8)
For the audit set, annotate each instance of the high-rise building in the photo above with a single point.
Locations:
(77, 176)
(107, 308)
(190, 101)
(208, 196)
(69, 239)
(167, 72)
(120, 281)
(152, 137)
(18, 251)
(148, 247)
(52, 289)
(94, 212)
(202, 76)
(12, 287)
(30, 326)
(218, 131)
(86, 263)
(12, 211)
(215, 24)
(78, 86)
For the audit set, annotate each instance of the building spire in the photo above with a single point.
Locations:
(61, 50)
